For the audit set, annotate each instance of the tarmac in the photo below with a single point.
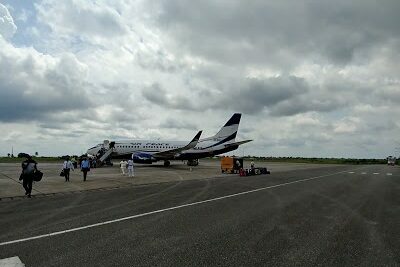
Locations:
(106, 178)
(299, 215)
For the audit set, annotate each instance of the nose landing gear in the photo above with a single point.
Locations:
(193, 162)
(167, 163)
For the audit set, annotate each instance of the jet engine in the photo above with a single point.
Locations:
(143, 158)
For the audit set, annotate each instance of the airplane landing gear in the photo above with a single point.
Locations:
(167, 163)
(193, 162)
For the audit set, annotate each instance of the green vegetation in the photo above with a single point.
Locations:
(319, 160)
(38, 159)
(316, 160)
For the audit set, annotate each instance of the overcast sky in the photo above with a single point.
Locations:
(311, 78)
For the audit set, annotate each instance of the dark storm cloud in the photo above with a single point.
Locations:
(284, 95)
(16, 105)
(255, 95)
(278, 96)
(155, 94)
(258, 94)
(159, 96)
(281, 32)
(26, 94)
(305, 104)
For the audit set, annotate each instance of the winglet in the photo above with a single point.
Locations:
(176, 151)
(194, 141)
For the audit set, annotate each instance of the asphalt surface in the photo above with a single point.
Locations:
(331, 216)
(111, 177)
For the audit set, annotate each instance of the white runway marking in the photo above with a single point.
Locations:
(388, 173)
(376, 172)
(351, 172)
(363, 173)
(164, 210)
(11, 262)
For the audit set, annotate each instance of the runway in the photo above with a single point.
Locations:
(327, 216)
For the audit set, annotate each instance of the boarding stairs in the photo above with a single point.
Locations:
(108, 149)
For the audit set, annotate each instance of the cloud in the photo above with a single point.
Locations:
(13, 135)
(81, 18)
(299, 72)
(347, 125)
(254, 95)
(277, 33)
(158, 95)
(24, 15)
(35, 84)
(172, 123)
(7, 26)
(283, 95)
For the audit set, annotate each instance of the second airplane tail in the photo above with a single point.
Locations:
(229, 131)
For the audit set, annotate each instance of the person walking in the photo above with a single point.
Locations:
(130, 168)
(123, 165)
(29, 166)
(74, 163)
(67, 166)
(85, 167)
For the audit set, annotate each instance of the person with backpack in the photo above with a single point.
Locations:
(29, 166)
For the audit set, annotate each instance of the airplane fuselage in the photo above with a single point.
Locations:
(148, 151)
(125, 149)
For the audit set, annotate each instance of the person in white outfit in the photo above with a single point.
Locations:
(130, 168)
(123, 164)
(67, 166)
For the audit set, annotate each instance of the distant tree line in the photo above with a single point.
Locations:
(319, 160)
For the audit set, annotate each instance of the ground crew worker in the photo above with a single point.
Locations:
(123, 165)
(252, 168)
(130, 168)
(28, 169)
(238, 164)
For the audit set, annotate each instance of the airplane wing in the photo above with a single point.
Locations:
(171, 153)
(237, 143)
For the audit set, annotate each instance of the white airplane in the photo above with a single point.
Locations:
(151, 151)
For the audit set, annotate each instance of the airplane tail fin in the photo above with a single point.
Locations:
(229, 131)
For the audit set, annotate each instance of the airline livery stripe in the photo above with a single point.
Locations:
(232, 136)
